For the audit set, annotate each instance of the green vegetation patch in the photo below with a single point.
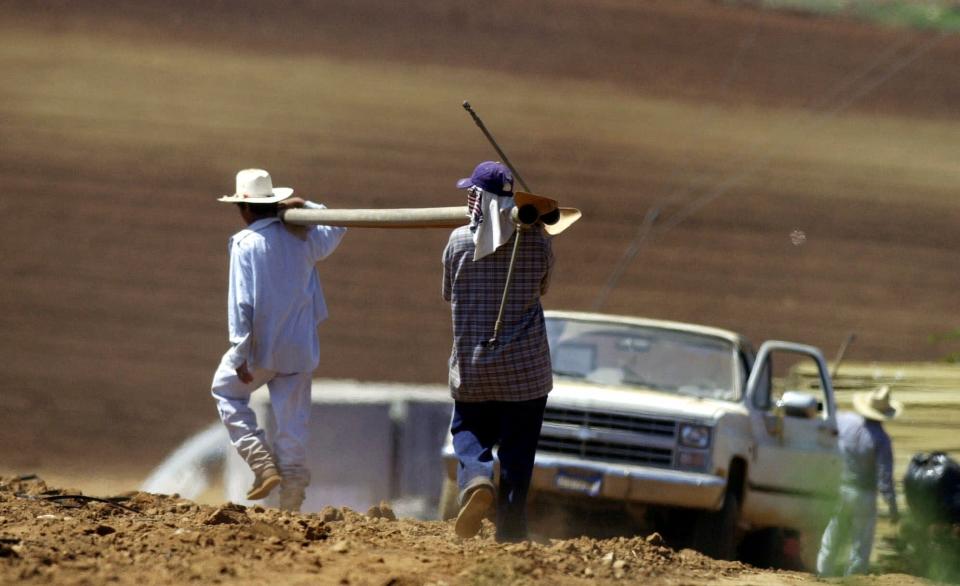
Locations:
(952, 337)
(928, 14)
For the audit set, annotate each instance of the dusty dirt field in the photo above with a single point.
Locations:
(118, 128)
(161, 540)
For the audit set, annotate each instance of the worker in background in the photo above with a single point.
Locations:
(274, 305)
(867, 467)
(499, 390)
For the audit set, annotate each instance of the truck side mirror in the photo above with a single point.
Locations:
(797, 404)
(793, 403)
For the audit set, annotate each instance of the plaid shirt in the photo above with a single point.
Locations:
(518, 368)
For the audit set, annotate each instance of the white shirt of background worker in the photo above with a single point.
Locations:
(274, 305)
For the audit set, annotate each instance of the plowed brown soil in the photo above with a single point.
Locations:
(119, 127)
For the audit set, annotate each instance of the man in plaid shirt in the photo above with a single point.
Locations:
(499, 390)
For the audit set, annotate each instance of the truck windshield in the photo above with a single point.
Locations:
(660, 359)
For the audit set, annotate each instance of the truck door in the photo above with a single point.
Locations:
(795, 463)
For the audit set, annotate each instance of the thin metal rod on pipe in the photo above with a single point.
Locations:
(632, 251)
(448, 217)
(819, 106)
(492, 342)
(841, 353)
(493, 142)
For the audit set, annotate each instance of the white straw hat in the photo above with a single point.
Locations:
(255, 186)
(877, 404)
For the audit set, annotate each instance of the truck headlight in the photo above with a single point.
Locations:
(694, 436)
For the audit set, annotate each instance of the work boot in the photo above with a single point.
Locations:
(291, 497)
(264, 481)
(472, 513)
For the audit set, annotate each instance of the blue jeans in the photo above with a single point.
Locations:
(515, 427)
(852, 526)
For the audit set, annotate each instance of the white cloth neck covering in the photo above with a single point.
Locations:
(493, 226)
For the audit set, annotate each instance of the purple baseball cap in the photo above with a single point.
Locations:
(490, 176)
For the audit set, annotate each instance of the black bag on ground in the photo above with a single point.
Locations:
(932, 487)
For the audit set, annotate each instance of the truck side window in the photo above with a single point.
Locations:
(761, 399)
(789, 372)
(743, 371)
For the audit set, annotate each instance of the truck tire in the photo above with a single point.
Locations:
(449, 505)
(774, 548)
(715, 532)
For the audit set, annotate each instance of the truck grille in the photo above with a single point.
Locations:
(596, 424)
(613, 421)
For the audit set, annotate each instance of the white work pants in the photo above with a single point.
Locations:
(290, 402)
(852, 527)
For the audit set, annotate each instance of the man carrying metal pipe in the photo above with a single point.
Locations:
(499, 384)
(274, 306)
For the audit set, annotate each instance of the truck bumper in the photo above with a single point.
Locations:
(635, 484)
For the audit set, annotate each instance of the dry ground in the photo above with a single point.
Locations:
(166, 540)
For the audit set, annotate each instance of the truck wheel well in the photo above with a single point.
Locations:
(736, 479)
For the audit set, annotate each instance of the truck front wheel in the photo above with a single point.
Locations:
(715, 532)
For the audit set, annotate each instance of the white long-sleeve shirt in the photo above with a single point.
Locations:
(275, 300)
(867, 456)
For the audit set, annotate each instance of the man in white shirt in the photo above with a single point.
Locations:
(867, 468)
(274, 305)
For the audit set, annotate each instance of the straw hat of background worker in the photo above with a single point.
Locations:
(877, 404)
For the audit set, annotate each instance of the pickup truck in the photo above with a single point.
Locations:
(682, 429)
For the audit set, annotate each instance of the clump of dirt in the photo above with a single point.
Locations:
(51, 535)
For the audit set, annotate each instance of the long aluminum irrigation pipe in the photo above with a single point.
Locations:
(450, 217)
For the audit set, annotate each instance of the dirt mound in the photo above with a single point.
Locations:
(49, 535)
